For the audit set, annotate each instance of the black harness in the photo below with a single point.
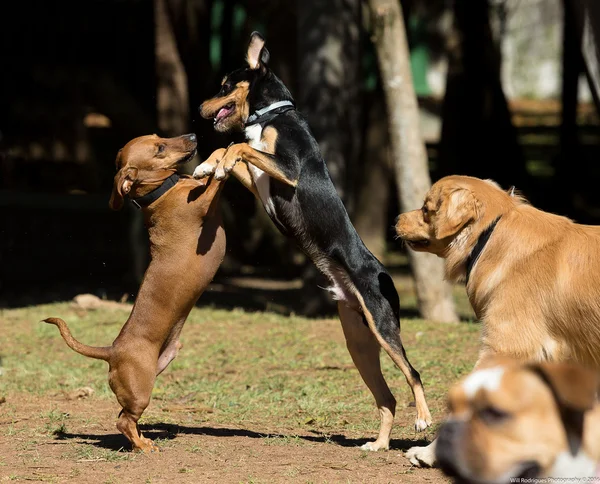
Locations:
(155, 194)
(478, 249)
(265, 115)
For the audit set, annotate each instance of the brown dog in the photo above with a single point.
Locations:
(530, 275)
(187, 245)
(514, 420)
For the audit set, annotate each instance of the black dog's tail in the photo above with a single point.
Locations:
(100, 353)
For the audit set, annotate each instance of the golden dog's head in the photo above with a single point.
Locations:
(456, 210)
(145, 162)
(512, 420)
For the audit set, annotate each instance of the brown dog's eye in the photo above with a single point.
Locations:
(160, 149)
(492, 415)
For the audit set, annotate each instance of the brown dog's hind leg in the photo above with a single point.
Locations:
(167, 356)
(132, 384)
(127, 425)
(364, 350)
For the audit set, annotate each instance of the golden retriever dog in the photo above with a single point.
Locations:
(532, 277)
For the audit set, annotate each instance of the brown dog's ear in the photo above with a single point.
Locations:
(257, 55)
(575, 390)
(124, 180)
(461, 207)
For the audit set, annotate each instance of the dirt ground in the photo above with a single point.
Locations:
(194, 450)
(252, 397)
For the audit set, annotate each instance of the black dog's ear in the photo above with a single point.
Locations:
(257, 55)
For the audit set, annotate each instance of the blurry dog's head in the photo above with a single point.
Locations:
(146, 162)
(511, 420)
(245, 90)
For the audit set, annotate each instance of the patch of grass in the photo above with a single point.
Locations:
(89, 453)
(240, 369)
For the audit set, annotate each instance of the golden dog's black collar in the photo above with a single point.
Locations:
(155, 194)
(478, 249)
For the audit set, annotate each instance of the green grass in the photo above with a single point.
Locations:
(236, 368)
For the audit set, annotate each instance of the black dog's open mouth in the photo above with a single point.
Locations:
(224, 112)
(187, 157)
(418, 244)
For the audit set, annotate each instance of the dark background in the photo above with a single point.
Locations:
(79, 79)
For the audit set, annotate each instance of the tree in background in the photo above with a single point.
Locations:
(329, 94)
(478, 136)
(410, 158)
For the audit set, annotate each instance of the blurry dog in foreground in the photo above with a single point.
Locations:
(514, 420)
(531, 276)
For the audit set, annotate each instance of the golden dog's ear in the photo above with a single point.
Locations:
(575, 390)
(461, 207)
(257, 55)
(124, 180)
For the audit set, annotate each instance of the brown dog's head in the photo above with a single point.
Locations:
(513, 420)
(145, 162)
(245, 90)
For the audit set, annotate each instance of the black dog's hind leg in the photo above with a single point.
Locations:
(364, 350)
(381, 314)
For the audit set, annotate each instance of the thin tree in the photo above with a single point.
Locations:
(410, 157)
(172, 90)
(329, 57)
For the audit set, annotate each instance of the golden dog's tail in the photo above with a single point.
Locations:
(100, 353)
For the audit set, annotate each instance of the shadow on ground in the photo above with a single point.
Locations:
(118, 442)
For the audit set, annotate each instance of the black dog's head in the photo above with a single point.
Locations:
(245, 90)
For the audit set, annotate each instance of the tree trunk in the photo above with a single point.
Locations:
(410, 158)
(173, 113)
(373, 182)
(475, 113)
(329, 93)
(567, 176)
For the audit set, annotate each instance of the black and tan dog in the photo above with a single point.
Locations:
(282, 165)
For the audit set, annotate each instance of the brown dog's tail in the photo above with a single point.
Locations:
(100, 353)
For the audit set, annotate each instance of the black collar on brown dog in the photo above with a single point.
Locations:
(478, 249)
(155, 194)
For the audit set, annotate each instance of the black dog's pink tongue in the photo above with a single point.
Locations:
(224, 111)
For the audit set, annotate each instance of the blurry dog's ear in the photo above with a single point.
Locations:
(124, 180)
(258, 55)
(461, 208)
(575, 390)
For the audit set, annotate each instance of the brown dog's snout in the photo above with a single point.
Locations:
(190, 140)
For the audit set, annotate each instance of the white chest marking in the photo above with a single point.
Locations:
(490, 379)
(260, 178)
